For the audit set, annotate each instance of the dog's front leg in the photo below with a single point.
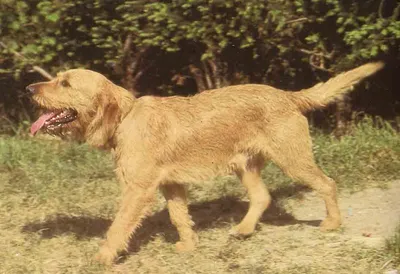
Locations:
(134, 207)
(175, 195)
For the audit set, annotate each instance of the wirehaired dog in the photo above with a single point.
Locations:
(169, 142)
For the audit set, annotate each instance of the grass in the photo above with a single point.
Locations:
(393, 246)
(58, 199)
(370, 154)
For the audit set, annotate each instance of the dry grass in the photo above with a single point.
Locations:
(62, 239)
(393, 246)
(48, 223)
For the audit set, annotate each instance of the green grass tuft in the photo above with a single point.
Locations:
(370, 154)
(53, 172)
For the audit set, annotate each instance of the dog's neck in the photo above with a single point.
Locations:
(115, 104)
(125, 101)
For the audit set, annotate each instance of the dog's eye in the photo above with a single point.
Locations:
(65, 83)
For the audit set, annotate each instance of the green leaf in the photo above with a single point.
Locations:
(384, 48)
(52, 17)
(15, 25)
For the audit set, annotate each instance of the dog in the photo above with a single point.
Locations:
(168, 142)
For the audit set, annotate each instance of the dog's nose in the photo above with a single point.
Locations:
(30, 89)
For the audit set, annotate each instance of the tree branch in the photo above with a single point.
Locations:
(42, 72)
(206, 70)
(138, 60)
(312, 61)
(396, 12)
(317, 58)
(127, 44)
(381, 6)
(316, 53)
(139, 74)
(320, 68)
(302, 19)
(38, 69)
(198, 76)
(130, 65)
(215, 73)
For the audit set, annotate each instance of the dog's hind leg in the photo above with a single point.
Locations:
(135, 205)
(258, 194)
(175, 195)
(291, 150)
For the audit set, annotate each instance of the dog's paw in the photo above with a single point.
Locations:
(330, 224)
(185, 246)
(241, 231)
(106, 256)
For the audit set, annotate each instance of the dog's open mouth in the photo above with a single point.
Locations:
(53, 120)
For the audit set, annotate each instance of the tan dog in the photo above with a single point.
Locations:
(168, 142)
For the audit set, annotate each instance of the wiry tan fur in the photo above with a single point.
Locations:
(169, 142)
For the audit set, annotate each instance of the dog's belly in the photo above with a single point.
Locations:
(197, 171)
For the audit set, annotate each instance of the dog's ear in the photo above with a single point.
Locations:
(105, 118)
(110, 106)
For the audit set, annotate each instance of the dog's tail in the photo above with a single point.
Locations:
(322, 94)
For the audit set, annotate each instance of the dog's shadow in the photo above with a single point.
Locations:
(221, 212)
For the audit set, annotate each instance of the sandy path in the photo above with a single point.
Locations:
(370, 215)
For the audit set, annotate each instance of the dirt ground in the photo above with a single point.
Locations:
(287, 241)
(368, 216)
(55, 239)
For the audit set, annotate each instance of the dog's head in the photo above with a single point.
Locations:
(80, 103)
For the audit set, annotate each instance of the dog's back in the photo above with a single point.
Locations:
(207, 134)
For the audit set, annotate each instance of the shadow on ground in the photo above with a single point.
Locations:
(221, 212)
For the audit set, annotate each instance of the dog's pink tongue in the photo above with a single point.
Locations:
(40, 122)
